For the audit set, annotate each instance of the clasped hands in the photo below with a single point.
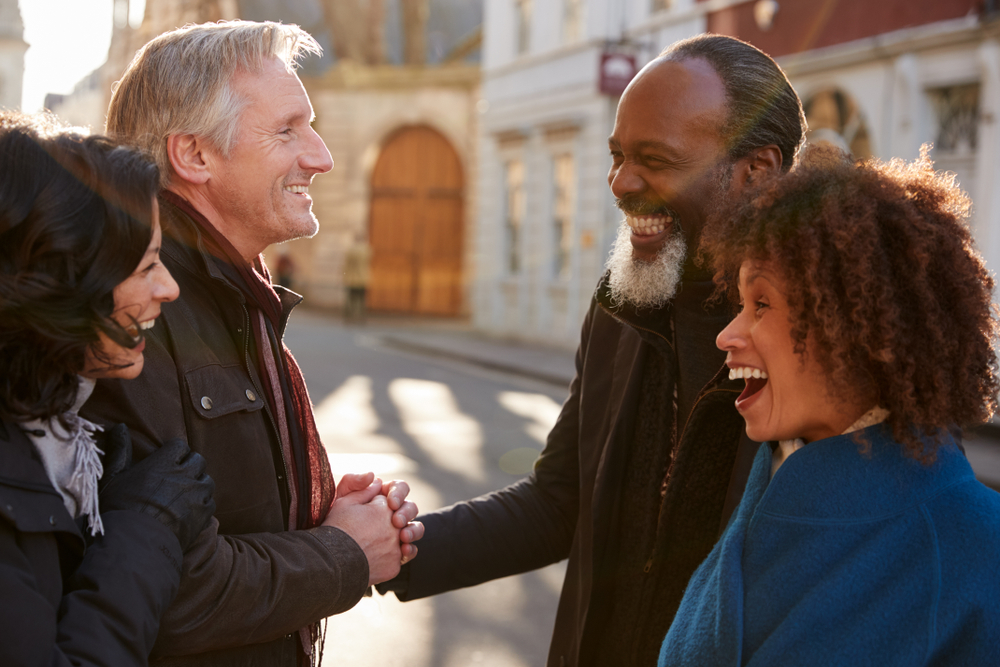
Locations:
(379, 518)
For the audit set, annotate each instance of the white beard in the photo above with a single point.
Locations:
(645, 284)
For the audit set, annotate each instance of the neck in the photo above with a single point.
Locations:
(199, 200)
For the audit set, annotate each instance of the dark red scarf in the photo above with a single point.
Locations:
(315, 489)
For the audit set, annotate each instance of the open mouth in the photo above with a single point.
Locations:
(755, 380)
(297, 189)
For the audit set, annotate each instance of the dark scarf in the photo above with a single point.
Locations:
(311, 479)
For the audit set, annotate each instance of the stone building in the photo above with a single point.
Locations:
(12, 48)
(877, 78)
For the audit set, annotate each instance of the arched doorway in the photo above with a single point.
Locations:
(834, 117)
(416, 225)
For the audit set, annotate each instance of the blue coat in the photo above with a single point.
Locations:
(849, 559)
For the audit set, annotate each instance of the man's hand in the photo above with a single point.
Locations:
(362, 512)
(404, 511)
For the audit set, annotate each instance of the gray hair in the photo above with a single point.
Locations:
(763, 109)
(179, 83)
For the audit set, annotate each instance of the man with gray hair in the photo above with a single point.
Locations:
(220, 108)
(648, 457)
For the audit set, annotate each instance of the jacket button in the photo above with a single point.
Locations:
(206, 402)
(52, 520)
(250, 395)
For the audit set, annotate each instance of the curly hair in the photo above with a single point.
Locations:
(881, 271)
(75, 220)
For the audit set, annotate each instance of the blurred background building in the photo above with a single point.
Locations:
(469, 136)
(12, 48)
(877, 78)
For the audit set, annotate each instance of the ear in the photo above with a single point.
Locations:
(188, 159)
(761, 163)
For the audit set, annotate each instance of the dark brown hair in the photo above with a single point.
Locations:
(75, 220)
(881, 271)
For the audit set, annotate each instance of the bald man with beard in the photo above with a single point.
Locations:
(648, 457)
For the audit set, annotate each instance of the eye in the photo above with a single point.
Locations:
(760, 305)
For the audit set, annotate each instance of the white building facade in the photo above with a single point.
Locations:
(546, 217)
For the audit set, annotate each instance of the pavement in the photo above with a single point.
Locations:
(459, 341)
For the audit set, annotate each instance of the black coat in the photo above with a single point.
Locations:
(567, 506)
(62, 603)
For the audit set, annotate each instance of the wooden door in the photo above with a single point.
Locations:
(416, 225)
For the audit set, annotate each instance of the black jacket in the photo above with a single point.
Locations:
(61, 604)
(567, 506)
(248, 584)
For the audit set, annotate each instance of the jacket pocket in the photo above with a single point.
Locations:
(218, 390)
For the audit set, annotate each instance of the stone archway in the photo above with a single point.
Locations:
(415, 228)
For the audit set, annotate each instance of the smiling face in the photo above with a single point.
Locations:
(786, 395)
(260, 191)
(669, 159)
(137, 305)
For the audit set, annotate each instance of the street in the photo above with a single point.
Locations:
(453, 431)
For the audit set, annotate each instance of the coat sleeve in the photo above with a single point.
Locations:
(235, 589)
(525, 526)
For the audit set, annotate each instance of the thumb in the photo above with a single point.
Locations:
(352, 482)
(362, 496)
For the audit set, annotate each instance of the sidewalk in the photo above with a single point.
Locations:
(460, 342)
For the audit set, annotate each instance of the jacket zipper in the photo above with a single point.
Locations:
(267, 410)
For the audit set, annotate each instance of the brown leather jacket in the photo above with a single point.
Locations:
(248, 584)
(566, 507)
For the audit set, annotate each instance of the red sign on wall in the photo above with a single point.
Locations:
(617, 69)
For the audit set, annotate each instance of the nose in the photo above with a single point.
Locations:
(624, 179)
(732, 338)
(316, 159)
(164, 286)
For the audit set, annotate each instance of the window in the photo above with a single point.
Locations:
(523, 8)
(572, 20)
(513, 214)
(957, 110)
(563, 199)
(956, 135)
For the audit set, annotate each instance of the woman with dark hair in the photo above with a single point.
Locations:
(865, 341)
(79, 282)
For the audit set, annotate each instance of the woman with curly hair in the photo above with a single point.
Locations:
(864, 336)
(88, 563)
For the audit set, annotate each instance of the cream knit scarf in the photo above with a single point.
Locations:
(71, 457)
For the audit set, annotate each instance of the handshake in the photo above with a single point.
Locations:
(379, 518)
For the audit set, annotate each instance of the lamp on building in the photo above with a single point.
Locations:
(763, 13)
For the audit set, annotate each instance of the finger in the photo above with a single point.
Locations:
(404, 515)
(413, 532)
(352, 482)
(409, 552)
(378, 501)
(396, 491)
